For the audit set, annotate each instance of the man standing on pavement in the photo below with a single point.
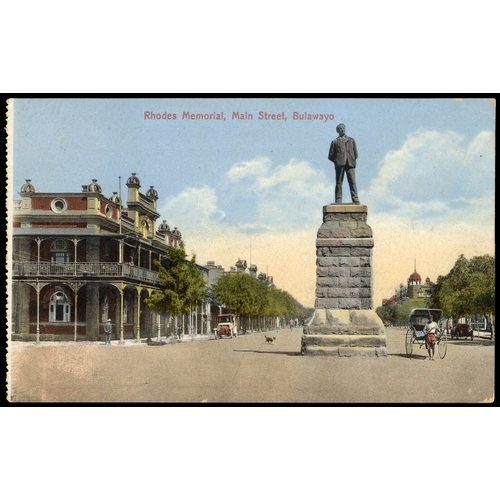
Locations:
(343, 153)
(108, 330)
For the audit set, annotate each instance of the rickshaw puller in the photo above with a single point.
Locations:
(430, 336)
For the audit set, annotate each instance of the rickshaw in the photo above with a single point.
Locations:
(415, 334)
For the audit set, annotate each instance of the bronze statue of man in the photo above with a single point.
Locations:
(343, 154)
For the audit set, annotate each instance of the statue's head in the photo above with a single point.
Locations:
(340, 129)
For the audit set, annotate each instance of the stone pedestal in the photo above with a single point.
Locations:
(344, 323)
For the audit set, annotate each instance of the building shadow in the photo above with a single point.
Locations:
(414, 356)
(477, 342)
(282, 353)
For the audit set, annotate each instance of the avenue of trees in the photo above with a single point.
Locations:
(255, 302)
(183, 289)
(468, 290)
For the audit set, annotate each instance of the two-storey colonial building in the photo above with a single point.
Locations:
(81, 258)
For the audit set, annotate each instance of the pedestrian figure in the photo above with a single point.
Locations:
(291, 324)
(108, 330)
(343, 153)
(430, 336)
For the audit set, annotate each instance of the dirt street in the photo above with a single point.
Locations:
(248, 370)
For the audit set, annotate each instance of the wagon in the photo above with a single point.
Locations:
(462, 330)
(415, 334)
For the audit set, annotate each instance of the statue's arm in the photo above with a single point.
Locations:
(331, 153)
(355, 149)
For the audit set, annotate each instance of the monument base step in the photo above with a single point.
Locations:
(344, 333)
(344, 352)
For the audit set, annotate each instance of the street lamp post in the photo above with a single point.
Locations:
(122, 293)
(139, 290)
(38, 310)
(75, 286)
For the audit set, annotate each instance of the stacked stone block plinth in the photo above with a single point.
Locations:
(344, 323)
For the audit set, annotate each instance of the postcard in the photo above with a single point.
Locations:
(179, 250)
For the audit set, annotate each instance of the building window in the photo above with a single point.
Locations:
(107, 251)
(127, 310)
(58, 205)
(59, 251)
(105, 308)
(108, 211)
(59, 307)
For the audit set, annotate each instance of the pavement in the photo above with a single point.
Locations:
(16, 346)
(246, 369)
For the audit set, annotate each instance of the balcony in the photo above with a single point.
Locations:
(85, 270)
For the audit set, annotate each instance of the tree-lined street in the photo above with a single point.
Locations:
(247, 369)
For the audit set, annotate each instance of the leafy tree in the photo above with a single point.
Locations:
(468, 289)
(398, 313)
(182, 284)
(482, 288)
(404, 308)
(241, 293)
(387, 314)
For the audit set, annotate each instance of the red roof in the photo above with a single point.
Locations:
(389, 302)
(415, 277)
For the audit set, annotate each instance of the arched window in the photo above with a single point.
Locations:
(59, 251)
(59, 309)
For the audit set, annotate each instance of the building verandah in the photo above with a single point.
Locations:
(77, 310)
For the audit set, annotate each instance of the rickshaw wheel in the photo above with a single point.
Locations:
(409, 342)
(442, 345)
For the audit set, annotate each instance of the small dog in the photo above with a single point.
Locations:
(270, 340)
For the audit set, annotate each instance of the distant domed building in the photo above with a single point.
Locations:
(415, 289)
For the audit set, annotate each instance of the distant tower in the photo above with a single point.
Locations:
(414, 283)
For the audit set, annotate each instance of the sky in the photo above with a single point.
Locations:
(254, 189)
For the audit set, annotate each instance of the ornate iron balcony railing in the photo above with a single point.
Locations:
(85, 269)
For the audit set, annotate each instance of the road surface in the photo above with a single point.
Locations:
(249, 370)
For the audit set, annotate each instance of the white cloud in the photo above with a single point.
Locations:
(194, 206)
(430, 171)
(253, 168)
(278, 198)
